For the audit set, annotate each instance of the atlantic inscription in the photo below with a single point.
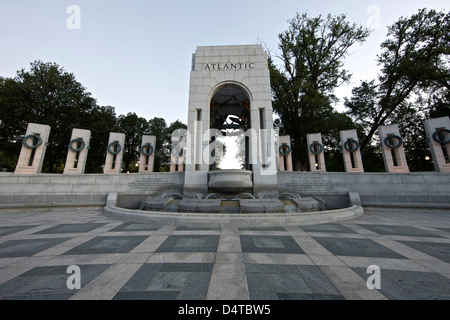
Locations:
(229, 66)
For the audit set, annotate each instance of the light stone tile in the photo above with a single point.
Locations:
(31, 262)
(350, 284)
(64, 247)
(406, 251)
(228, 282)
(311, 246)
(229, 243)
(135, 258)
(151, 244)
(383, 263)
(5, 262)
(68, 260)
(437, 266)
(326, 260)
(182, 257)
(277, 258)
(7, 274)
(229, 257)
(106, 285)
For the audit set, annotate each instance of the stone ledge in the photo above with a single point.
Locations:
(407, 205)
(242, 220)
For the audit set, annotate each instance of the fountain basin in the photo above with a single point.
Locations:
(230, 181)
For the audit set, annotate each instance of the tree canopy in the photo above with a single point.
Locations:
(310, 66)
(413, 83)
(48, 94)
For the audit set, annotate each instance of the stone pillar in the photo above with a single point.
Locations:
(392, 147)
(351, 151)
(438, 135)
(33, 149)
(114, 153)
(230, 70)
(284, 153)
(316, 152)
(147, 152)
(78, 151)
(177, 153)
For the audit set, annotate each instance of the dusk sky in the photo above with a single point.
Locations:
(136, 55)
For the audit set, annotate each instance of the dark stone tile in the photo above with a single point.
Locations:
(196, 286)
(185, 281)
(285, 282)
(399, 231)
(146, 295)
(187, 267)
(444, 229)
(135, 227)
(4, 231)
(141, 279)
(357, 248)
(199, 228)
(269, 244)
(260, 287)
(300, 296)
(71, 228)
(262, 229)
(317, 281)
(27, 248)
(437, 250)
(271, 268)
(335, 227)
(411, 285)
(99, 245)
(47, 283)
(190, 243)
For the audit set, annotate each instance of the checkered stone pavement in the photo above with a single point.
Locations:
(122, 260)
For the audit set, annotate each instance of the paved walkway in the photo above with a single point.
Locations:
(122, 260)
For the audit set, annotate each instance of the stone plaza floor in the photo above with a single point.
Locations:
(120, 260)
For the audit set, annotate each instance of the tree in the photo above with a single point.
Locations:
(12, 111)
(414, 60)
(312, 53)
(134, 128)
(45, 94)
(101, 121)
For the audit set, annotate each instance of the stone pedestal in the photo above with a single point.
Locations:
(34, 145)
(284, 153)
(316, 152)
(351, 151)
(438, 134)
(78, 151)
(177, 153)
(114, 153)
(147, 158)
(392, 147)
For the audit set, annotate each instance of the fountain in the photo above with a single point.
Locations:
(231, 181)
(233, 100)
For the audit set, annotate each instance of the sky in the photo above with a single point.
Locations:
(136, 55)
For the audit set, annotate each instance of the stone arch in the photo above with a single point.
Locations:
(230, 113)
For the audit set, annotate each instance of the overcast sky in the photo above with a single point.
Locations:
(135, 55)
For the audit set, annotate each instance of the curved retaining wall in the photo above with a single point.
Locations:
(220, 219)
(418, 189)
(57, 190)
(422, 189)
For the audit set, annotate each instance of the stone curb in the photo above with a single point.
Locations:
(242, 220)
